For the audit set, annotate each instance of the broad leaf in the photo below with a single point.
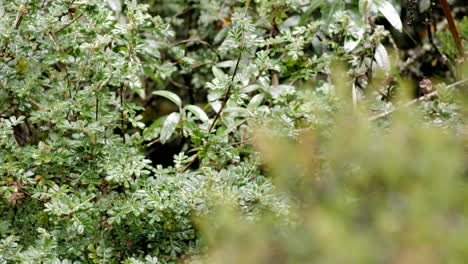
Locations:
(352, 40)
(198, 112)
(154, 129)
(169, 126)
(219, 74)
(171, 96)
(256, 101)
(389, 12)
(364, 6)
(381, 57)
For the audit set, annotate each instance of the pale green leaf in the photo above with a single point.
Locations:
(277, 91)
(219, 74)
(169, 126)
(256, 101)
(169, 95)
(226, 64)
(381, 57)
(355, 36)
(389, 12)
(198, 112)
(115, 5)
(154, 129)
(364, 6)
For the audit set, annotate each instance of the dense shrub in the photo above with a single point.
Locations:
(265, 107)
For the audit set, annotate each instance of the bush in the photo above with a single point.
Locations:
(252, 103)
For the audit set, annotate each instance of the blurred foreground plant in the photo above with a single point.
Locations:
(360, 193)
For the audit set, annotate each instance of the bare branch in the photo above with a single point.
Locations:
(67, 25)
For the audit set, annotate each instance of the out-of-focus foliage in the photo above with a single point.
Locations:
(265, 107)
(447, 43)
(361, 194)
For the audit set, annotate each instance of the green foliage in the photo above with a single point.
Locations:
(363, 196)
(263, 96)
(447, 44)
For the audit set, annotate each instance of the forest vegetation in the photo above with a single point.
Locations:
(233, 131)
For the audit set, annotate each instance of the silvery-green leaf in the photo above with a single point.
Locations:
(289, 23)
(389, 12)
(256, 101)
(250, 88)
(215, 95)
(115, 5)
(221, 35)
(237, 111)
(216, 105)
(169, 126)
(226, 64)
(354, 92)
(356, 33)
(381, 57)
(311, 7)
(219, 74)
(364, 6)
(198, 112)
(169, 95)
(277, 90)
(154, 129)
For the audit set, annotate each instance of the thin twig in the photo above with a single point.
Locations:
(180, 13)
(57, 43)
(122, 115)
(19, 17)
(227, 95)
(176, 84)
(44, 2)
(98, 88)
(242, 142)
(198, 41)
(422, 98)
(153, 142)
(18, 20)
(97, 107)
(8, 108)
(67, 25)
(37, 104)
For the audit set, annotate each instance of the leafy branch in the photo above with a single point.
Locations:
(412, 102)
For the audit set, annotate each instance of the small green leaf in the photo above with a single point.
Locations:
(169, 126)
(250, 88)
(356, 33)
(221, 35)
(226, 64)
(154, 129)
(169, 95)
(219, 74)
(277, 91)
(389, 12)
(115, 5)
(198, 112)
(364, 6)
(256, 101)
